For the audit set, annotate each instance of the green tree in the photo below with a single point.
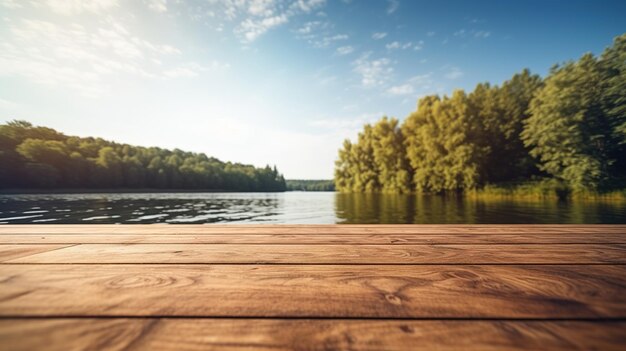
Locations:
(42, 157)
(344, 169)
(567, 129)
(365, 171)
(390, 160)
(613, 66)
(499, 113)
(437, 139)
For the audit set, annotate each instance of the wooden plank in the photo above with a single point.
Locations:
(308, 229)
(505, 292)
(311, 335)
(9, 252)
(332, 254)
(316, 239)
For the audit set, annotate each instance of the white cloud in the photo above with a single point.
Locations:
(414, 84)
(326, 41)
(256, 17)
(345, 50)
(307, 6)
(482, 34)
(394, 45)
(453, 73)
(71, 7)
(373, 72)
(430, 34)
(404, 89)
(86, 59)
(379, 35)
(479, 34)
(252, 29)
(309, 27)
(392, 6)
(157, 5)
(408, 45)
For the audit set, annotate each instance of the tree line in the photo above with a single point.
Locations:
(40, 157)
(310, 185)
(568, 128)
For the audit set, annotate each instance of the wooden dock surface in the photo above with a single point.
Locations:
(312, 287)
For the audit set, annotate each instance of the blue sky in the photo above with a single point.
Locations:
(270, 81)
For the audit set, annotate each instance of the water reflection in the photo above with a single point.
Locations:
(391, 208)
(297, 207)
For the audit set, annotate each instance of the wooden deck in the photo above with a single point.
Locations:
(312, 287)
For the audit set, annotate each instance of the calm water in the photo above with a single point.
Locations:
(296, 207)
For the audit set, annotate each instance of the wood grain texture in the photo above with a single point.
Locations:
(320, 287)
(316, 239)
(332, 229)
(9, 252)
(332, 254)
(310, 335)
(547, 291)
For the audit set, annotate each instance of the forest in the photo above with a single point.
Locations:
(565, 133)
(310, 185)
(40, 157)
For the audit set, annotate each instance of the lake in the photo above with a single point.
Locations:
(297, 207)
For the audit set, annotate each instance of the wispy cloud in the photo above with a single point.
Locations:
(310, 27)
(393, 45)
(73, 56)
(327, 40)
(408, 45)
(453, 73)
(404, 89)
(482, 34)
(256, 17)
(157, 5)
(373, 72)
(70, 7)
(479, 34)
(345, 50)
(379, 35)
(251, 28)
(392, 6)
(412, 86)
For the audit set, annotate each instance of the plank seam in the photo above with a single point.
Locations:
(6, 263)
(347, 318)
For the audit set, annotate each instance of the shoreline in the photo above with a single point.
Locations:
(19, 191)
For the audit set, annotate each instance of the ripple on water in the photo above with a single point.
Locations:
(149, 217)
(99, 218)
(20, 217)
(35, 211)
